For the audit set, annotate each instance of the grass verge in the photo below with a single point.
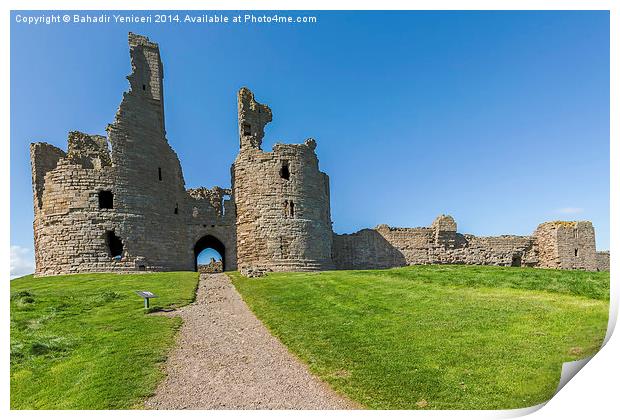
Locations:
(85, 341)
(436, 337)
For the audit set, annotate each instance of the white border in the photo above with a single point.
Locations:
(593, 393)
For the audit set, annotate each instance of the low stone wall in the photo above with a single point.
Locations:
(560, 244)
(366, 249)
(505, 250)
(385, 247)
(213, 267)
(602, 261)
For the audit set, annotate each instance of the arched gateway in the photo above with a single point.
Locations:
(209, 241)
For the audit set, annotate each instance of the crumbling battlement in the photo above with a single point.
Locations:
(253, 117)
(215, 197)
(118, 203)
(89, 151)
(147, 70)
(43, 157)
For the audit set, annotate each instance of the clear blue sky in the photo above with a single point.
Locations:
(205, 256)
(500, 119)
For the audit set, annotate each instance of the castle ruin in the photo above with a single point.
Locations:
(119, 204)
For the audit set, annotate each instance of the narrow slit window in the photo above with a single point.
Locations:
(284, 248)
(159, 173)
(285, 173)
(143, 87)
(225, 198)
(106, 199)
(292, 209)
(247, 130)
(176, 208)
(576, 252)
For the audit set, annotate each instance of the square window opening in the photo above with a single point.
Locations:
(106, 199)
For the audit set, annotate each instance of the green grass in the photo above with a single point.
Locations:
(436, 337)
(85, 341)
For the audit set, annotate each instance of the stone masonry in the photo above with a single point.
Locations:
(282, 199)
(440, 243)
(567, 245)
(118, 203)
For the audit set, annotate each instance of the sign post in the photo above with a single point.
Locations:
(146, 295)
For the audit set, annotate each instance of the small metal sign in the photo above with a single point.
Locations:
(146, 295)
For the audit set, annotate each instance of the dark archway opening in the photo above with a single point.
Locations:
(516, 260)
(212, 246)
(114, 244)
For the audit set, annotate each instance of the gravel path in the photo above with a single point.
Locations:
(226, 359)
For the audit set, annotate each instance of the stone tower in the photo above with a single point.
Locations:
(566, 245)
(101, 206)
(281, 197)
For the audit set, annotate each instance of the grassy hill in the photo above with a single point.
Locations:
(85, 342)
(417, 337)
(436, 337)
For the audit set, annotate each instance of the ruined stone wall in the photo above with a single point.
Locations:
(413, 243)
(386, 246)
(138, 169)
(43, 157)
(71, 229)
(505, 250)
(364, 250)
(602, 261)
(149, 183)
(212, 267)
(67, 211)
(560, 245)
(566, 245)
(281, 198)
(212, 213)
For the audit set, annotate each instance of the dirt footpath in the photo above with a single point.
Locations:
(225, 358)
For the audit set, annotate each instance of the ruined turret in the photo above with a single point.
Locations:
(566, 245)
(253, 117)
(444, 231)
(102, 205)
(281, 197)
